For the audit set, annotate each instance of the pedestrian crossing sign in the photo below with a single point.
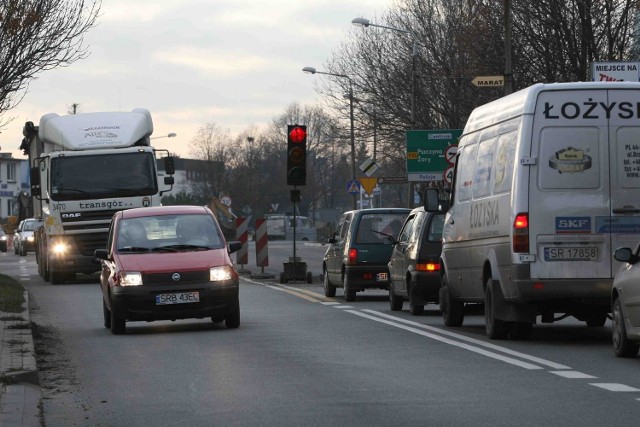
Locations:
(353, 187)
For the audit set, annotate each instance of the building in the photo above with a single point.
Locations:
(14, 179)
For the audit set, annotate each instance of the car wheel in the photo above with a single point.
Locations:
(349, 292)
(395, 301)
(309, 277)
(106, 314)
(596, 320)
(329, 289)
(622, 346)
(496, 328)
(414, 309)
(452, 310)
(232, 320)
(521, 330)
(118, 323)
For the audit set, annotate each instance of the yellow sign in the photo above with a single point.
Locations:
(368, 184)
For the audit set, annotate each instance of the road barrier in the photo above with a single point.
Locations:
(262, 249)
(242, 256)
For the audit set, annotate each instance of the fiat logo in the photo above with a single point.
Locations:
(175, 277)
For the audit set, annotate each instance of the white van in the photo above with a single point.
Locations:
(280, 227)
(546, 186)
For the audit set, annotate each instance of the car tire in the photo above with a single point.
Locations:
(622, 346)
(414, 309)
(496, 329)
(329, 289)
(309, 277)
(106, 315)
(452, 310)
(232, 320)
(395, 301)
(349, 292)
(118, 323)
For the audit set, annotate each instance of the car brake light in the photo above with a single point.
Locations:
(429, 266)
(353, 256)
(521, 233)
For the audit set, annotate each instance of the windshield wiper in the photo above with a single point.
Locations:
(133, 249)
(184, 247)
(165, 249)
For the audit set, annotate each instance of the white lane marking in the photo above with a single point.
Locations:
(330, 303)
(615, 387)
(440, 338)
(572, 374)
(342, 306)
(473, 341)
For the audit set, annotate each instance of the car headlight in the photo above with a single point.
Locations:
(131, 278)
(222, 273)
(3, 237)
(30, 239)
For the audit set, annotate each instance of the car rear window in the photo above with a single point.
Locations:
(373, 228)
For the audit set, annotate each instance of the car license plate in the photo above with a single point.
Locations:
(382, 277)
(587, 253)
(177, 298)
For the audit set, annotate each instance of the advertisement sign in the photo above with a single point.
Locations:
(428, 152)
(615, 71)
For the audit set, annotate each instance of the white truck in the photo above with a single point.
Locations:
(84, 168)
(546, 186)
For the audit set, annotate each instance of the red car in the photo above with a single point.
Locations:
(167, 263)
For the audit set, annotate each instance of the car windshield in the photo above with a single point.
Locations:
(375, 227)
(30, 225)
(168, 233)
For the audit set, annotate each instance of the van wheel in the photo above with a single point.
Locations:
(329, 289)
(622, 346)
(395, 301)
(496, 329)
(452, 310)
(349, 292)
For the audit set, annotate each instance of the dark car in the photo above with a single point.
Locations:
(24, 239)
(167, 263)
(359, 250)
(414, 267)
(625, 310)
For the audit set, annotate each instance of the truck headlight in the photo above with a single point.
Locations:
(59, 248)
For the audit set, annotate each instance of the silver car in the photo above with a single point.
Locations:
(625, 303)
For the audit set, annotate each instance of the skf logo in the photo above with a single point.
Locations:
(573, 224)
(71, 215)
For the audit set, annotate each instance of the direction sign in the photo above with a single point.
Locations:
(426, 149)
(488, 81)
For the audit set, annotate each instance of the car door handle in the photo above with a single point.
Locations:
(451, 221)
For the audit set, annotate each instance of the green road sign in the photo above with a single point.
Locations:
(426, 159)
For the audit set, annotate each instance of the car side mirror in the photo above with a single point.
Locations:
(625, 255)
(101, 254)
(234, 246)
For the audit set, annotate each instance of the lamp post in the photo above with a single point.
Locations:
(169, 135)
(364, 22)
(312, 70)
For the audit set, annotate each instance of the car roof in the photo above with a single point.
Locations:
(382, 210)
(165, 210)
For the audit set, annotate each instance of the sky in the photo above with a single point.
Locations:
(237, 63)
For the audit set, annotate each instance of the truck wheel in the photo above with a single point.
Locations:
(349, 292)
(496, 328)
(395, 301)
(329, 289)
(452, 310)
(45, 270)
(57, 277)
(622, 346)
(118, 323)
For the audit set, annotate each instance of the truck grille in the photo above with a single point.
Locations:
(88, 243)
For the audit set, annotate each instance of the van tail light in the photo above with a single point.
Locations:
(521, 233)
(428, 266)
(353, 256)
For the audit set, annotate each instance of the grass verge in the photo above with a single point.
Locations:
(11, 295)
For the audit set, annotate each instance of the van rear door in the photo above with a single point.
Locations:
(584, 198)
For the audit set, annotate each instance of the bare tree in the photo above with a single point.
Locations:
(211, 144)
(39, 35)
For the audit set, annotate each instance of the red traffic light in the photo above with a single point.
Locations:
(297, 135)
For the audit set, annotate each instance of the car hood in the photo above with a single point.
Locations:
(154, 262)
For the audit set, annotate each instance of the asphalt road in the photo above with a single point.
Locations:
(301, 359)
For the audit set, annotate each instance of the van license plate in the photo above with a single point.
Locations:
(177, 298)
(586, 253)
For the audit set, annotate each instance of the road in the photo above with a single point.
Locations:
(299, 358)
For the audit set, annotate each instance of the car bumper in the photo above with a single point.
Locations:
(425, 285)
(139, 302)
(368, 276)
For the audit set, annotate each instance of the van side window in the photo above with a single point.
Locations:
(484, 167)
(464, 181)
(504, 163)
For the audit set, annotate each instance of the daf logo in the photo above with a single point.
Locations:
(71, 215)
(175, 277)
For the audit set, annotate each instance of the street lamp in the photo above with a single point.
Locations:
(169, 135)
(312, 70)
(364, 22)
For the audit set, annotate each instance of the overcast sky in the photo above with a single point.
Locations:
(233, 62)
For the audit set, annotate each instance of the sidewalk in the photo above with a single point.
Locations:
(19, 386)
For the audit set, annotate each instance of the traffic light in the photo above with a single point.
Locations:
(296, 155)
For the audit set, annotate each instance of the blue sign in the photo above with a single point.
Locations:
(353, 187)
(573, 224)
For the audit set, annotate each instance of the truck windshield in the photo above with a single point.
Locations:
(106, 175)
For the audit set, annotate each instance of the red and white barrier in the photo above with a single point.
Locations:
(242, 256)
(262, 249)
